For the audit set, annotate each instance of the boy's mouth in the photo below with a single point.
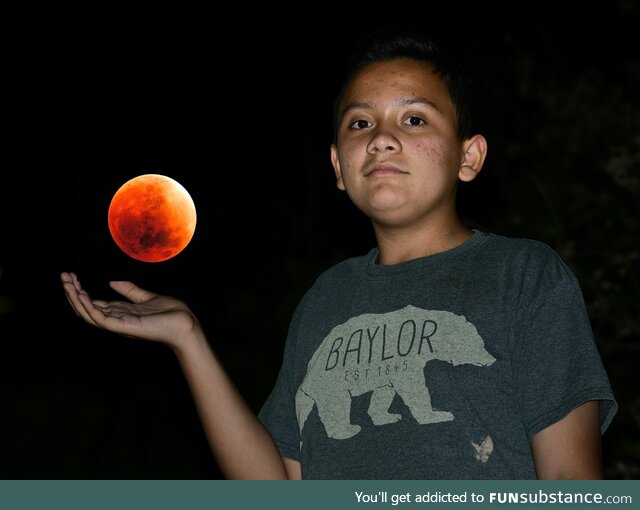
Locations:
(381, 170)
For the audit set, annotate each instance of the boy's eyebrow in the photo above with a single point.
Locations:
(357, 105)
(420, 100)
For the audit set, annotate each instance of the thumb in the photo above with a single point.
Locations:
(131, 291)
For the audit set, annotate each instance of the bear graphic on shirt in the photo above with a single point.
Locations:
(385, 354)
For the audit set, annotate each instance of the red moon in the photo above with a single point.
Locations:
(152, 218)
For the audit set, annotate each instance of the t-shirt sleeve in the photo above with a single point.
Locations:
(558, 366)
(278, 414)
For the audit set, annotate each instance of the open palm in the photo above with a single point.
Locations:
(145, 315)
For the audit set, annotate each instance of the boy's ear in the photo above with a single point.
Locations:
(474, 151)
(336, 166)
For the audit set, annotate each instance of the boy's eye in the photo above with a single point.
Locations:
(414, 121)
(360, 124)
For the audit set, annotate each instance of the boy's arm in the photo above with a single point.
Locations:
(293, 469)
(242, 446)
(570, 448)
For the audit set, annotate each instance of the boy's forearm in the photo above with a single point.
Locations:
(571, 448)
(243, 448)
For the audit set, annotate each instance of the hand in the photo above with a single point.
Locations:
(146, 315)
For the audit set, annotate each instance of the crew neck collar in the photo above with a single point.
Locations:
(374, 270)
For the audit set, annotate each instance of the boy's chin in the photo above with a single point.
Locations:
(390, 217)
(390, 207)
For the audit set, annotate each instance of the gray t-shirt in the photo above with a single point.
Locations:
(442, 367)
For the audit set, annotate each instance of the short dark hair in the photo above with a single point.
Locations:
(390, 44)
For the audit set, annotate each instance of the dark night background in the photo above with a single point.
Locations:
(557, 98)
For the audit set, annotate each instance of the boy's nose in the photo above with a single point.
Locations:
(383, 141)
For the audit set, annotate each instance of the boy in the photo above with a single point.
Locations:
(443, 353)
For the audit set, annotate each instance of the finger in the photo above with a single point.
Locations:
(66, 293)
(71, 279)
(132, 292)
(66, 279)
(68, 287)
(76, 282)
(75, 299)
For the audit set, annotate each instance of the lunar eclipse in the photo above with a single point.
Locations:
(152, 218)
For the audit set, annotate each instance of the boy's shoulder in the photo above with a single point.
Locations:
(515, 244)
(533, 260)
(521, 247)
(347, 267)
(336, 278)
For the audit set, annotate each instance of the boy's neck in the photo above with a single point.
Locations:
(396, 245)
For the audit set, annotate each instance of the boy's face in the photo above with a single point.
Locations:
(398, 155)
